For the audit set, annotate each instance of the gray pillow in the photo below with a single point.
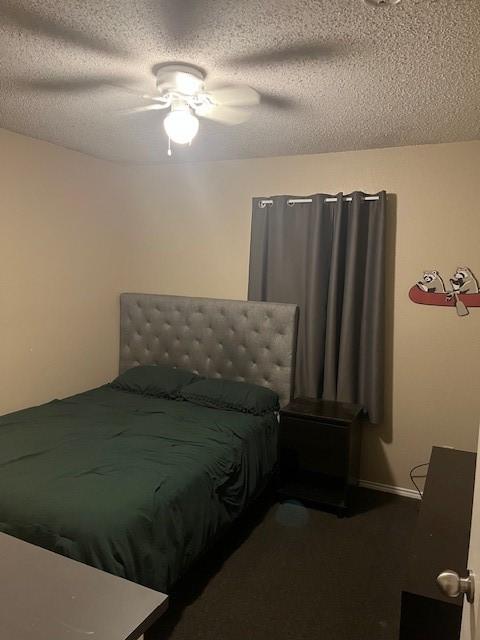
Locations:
(231, 395)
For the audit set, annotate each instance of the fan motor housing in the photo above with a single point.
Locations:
(180, 78)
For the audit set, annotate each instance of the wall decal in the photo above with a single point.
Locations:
(464, 291)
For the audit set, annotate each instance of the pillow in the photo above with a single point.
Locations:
(160, 380)
(232, 395)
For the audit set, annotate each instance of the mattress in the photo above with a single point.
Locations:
(133, 485)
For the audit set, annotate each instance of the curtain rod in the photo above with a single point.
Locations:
(263, 203)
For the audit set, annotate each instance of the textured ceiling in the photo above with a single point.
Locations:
(334, 74)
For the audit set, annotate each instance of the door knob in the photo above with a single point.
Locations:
(452, 585)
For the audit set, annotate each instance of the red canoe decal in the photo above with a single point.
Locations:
(442, 299)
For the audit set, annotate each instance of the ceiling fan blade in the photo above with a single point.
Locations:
(147, 107)
(223, 114)
(137, 92)
(234, 95)
(39, 23)
(68, 85)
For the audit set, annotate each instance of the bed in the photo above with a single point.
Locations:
(141, 486)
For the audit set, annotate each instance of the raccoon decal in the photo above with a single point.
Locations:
(431, 282)
(464, 291)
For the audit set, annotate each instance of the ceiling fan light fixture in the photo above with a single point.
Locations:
(181, 125)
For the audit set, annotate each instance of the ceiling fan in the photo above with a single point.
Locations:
(182, 90)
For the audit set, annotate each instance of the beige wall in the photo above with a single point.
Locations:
(60, 240)
(75, 231)
(192, 237)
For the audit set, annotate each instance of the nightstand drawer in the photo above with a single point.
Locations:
(313, 447)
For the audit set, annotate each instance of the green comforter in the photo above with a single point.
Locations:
(135, 486)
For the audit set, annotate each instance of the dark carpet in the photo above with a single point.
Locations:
(290, 573)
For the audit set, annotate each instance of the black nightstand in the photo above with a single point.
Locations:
(319, 452)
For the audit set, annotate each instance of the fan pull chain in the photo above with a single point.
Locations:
(169, 152)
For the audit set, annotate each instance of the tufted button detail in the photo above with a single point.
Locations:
(213, 338)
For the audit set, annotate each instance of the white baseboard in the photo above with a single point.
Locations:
(387, 488)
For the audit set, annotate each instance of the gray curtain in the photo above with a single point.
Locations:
(329, 259)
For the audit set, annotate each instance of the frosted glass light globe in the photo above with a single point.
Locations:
(181, 126)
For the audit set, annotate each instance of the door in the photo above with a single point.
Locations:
(471, 611)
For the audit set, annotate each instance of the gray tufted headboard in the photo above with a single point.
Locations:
(247, 341)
